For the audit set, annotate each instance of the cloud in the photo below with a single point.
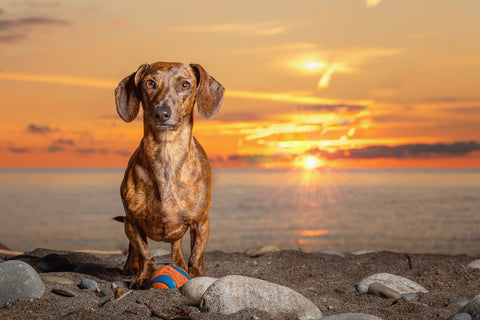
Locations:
(372, 3)
(86, 151)
(67, 142)
(55, 148)
(18, 150)
(419, 150)
(13, 30)
(257, 29)
(36, 129)
(60, 79)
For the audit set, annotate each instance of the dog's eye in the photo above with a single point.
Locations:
(150, 84)
(185, 85)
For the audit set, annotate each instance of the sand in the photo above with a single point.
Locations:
(327, 280)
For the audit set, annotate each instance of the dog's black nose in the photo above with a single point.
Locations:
(162, 113)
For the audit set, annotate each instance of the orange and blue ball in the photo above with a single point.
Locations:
(168, 277)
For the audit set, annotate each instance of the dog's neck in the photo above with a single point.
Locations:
(168, 150)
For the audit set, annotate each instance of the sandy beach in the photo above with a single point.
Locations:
(328, 280)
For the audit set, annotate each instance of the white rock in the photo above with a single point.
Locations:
(234, 293)
(260, 251)
(396, 283)
(194, 288)
(474, 264)
(352, 316)
(473, 308)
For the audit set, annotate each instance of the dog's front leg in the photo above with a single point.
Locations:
(177, 254)
(198, 242)
(139, 249)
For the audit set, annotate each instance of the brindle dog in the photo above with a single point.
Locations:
(167, 184)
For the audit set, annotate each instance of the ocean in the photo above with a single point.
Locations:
(403, 210)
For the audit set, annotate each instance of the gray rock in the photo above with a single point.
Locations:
(332, 252)
(114, 285)
(473, 308)
(460, 316)
(458, 305)
(410, 296)
(474, 264)
(19, 280)
(396, 283)
(194, 288)
(352, 316)
(380, 290)
(88, 284)
(102, 293)
(234, 293)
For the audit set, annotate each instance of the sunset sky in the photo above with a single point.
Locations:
(352, 83)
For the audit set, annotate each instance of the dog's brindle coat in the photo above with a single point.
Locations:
(167, 184)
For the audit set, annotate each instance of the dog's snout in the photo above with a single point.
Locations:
(162, 113)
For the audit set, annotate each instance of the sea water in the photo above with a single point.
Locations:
(404, 210)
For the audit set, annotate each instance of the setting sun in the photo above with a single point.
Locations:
(312, 162)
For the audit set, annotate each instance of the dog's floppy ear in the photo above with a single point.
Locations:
(209, 93)
(127, 96)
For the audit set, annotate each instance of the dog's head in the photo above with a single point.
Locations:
(168, 93)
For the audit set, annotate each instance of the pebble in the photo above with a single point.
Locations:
(102, 293)
(474, 264)
(360, 252)
(57, 280)
(260, 251)
(19, 280)
(382, 291)
(396, 283)
(460, 316)
(352, 316)
(114, 285)
(231, 294)
(194, 288)
(63, 292)
(88, 284)
(458, 305)
(332, 252)
(473, 308)
(55, 263)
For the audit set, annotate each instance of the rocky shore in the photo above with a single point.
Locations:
(263, 283)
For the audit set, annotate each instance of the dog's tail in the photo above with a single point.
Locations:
(119, 219)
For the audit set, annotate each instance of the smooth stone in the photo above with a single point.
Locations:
(55, 263)
(19, 280)
(382, 291)
(396, 283)
(352, 316)
(260, 251)
(231, 294)
(474, 264)
(114, 285)
(360, 252)
(58, 280)
(194, 288)
(88, 284)
(91, 269)
(460, 316)
(458, 305)
(331, 252)
(473, 308)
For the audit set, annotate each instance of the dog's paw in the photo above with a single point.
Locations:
(140, 284)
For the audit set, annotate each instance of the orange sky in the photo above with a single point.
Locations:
(351, 82)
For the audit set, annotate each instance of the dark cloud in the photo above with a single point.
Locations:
(419, 150)
(55, 148)
(15, 29)
(67, 142)
(18, 150)
(37, 129)
(92, 151)
(125, 153)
